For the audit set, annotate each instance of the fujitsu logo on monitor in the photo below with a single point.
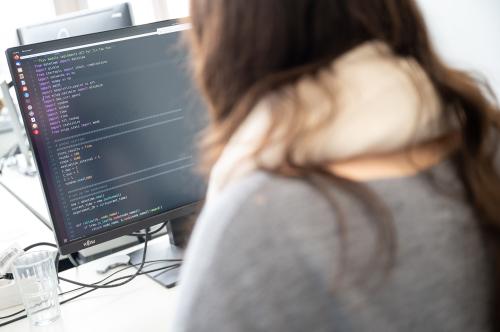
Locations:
(88, 243)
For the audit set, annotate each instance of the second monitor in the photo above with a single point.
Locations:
(76, 24)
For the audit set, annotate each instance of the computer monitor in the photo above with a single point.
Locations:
(113, 120)
(76, 24)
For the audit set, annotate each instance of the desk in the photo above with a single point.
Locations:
(18, 224)
(141, 305)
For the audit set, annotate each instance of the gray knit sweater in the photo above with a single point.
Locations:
(264, 256)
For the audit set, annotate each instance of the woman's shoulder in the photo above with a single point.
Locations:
(248, 251)
(262, 204)
(270, 218)
(264, 214)
(262, 200)
(268, 240)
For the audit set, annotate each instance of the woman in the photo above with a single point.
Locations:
(353, 183)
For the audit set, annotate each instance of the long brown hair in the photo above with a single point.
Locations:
(243, 50)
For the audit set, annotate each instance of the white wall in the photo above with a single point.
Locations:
(467, 34)
(178, 8)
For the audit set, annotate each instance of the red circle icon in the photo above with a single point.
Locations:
(36, 132)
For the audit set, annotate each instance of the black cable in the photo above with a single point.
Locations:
(45, 244)
(168, 268)
(12, 315)
(58, 257)
(151, 233)
(40, 244)
(119, 284)
(165, 268)
(87, 292)
(13, 320)
(128, 267)
(94, 286)
(114, 273)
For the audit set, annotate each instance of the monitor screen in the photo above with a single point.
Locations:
(113, 121)
(80, 23)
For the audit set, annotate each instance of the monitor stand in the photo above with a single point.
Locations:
(179, 230)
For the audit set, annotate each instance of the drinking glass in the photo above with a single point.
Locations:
(36, 278)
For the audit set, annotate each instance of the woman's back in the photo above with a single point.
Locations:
(267, 255)
(309, 100)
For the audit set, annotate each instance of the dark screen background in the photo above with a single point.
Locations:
(117, 125)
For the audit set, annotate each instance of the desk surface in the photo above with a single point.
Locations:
(18, 224)
(141, 305)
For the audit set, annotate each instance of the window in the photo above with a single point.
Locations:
(177, 8)
(465, 33)
(142, 10)
(14, 14)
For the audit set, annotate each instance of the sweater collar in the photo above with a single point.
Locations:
(368, 101)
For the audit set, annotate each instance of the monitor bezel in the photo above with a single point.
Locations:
(108, 235)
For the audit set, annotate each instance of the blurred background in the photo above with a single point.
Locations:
(465, 32)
